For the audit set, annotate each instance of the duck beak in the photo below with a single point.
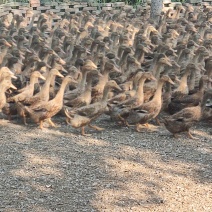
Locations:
(171, 82)
(168, 63)
(60, 75)
(64, 71)
(94, 66)
(22, 56)
(153, 78)
(88, 52)
(99, 74)
(116, 69)
(62, 51)
(118, 88)
(8, 44)
(137, 63)
(177, 80)
(177, 65)
(74, 81)
(27, 50)
(174, 54)
(20, 62)
(48, 66)
(14, 77)
(62, 62)
(13, 87)
(107, 47)
(42, 77)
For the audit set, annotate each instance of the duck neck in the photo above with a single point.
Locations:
(120, 52)
(181, 56)
(168, 88)
(4, 62)
(46, 58)
(59, 96)
(20, 44)
(103, 80)
(183, 82)
(141, 56)
(177, 13)
(158, 92)
(83, 80)
(33, 80)
(31, 22)
(200, 58)
(140, 89)
(158, 70)
(89, 83)
(45, 89)
(4, 52)
(123, 58)
(201, 86)
(105, 93)
(3, 89)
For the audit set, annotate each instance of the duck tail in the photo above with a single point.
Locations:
(21, 107)
(28, 110)
(67, 113)
(163, 120)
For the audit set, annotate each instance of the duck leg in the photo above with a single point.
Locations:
(191, 136)
(41, 125)
(83, 131)
(51, 123)
(175, 135)
(138, 127)
(9, 117)
(129, 125)
(157, 121)
(24, 119)
(95, 127)
(146, 125)
(123, 121)
(67, 121)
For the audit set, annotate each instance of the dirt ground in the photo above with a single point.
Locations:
(114, 170)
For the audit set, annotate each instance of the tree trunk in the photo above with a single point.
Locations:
(156, 9)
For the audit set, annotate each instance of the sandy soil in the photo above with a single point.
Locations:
(114, 170)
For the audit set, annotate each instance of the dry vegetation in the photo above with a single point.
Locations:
(114, 170)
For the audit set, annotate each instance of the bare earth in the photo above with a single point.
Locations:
(114, 170)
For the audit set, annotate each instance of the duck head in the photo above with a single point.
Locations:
(113, 85)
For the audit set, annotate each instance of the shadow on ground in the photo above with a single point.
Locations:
(115, 170)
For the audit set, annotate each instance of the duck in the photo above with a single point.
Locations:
(98, 90)
(121, 111)
(46, 110)
(143, 113)
(85, 97)
(4, 86)
(43, 95)
(87, 66)
(183, 120)
(207, 110)
(30, 89)
(181, 91)
(128, 88)
(150, 87)
(83, 116)
(5, 73)
(167, 94)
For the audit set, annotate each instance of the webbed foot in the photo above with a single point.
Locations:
(52, 123)
(95, 127)
(83, 132)
(191, 136)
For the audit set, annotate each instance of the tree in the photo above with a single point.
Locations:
(156, 9)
